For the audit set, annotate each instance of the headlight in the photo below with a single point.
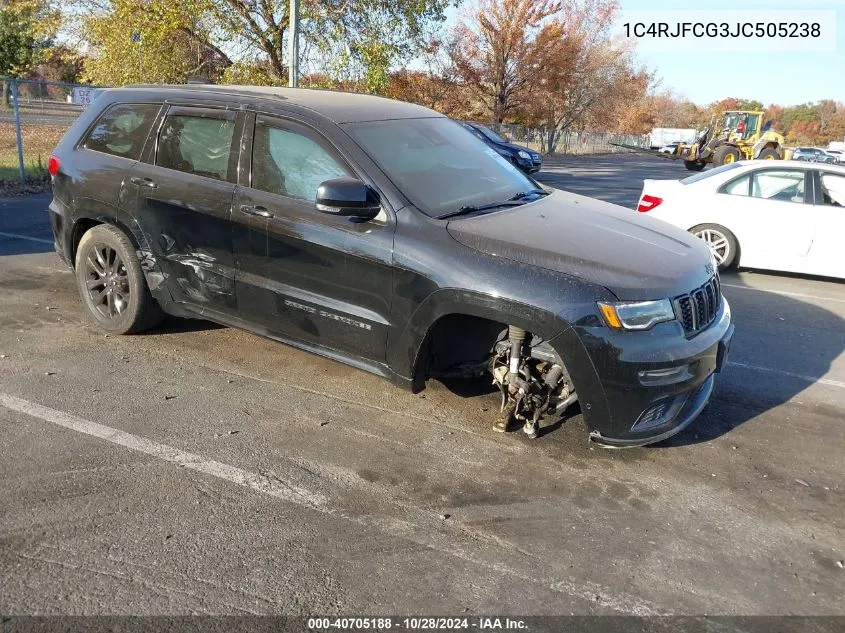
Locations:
(523, 154)
(637, 316)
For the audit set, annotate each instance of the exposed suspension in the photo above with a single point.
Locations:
(531, 386)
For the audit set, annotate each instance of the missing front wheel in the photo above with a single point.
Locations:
(531, 387)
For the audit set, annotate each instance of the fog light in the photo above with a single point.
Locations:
(666, 376)
(661, 412)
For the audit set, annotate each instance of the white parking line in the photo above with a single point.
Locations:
(785, 293)
(440, 539)
(232, 474)
(26, 237)
(810, 379)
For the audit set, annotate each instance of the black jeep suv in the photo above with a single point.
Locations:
(386, 236)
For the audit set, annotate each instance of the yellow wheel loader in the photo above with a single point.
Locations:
(738, 135)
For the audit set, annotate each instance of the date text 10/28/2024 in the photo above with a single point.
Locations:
(416, 624)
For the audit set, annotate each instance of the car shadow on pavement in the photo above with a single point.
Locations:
(25, 225)
(469, 387)
(180, 325)
(21, 246)
(782, 346)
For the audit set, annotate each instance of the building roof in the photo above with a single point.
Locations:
(340, 107)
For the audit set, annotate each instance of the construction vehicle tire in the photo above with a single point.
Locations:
(769, 154)
(726, 154)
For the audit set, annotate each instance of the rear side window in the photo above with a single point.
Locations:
(122, 129)
(196, 145)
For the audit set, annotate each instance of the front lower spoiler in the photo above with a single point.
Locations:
(690, 412)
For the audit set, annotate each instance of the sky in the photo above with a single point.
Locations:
(785, 78)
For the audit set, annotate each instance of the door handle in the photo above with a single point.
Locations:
(252, 209)
(143, 182)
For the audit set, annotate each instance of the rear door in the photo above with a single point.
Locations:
(303, 274)
(827, 256)
(182, 197)
(92, 175)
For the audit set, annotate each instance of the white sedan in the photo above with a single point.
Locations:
(785, 215)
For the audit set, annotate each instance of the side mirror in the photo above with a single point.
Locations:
(348, 197)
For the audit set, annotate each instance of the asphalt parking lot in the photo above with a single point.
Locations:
(199, 469)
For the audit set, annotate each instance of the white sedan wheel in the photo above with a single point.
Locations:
(721, 242)
(718, 243)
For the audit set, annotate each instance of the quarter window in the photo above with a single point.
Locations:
(786, 185)
(196, 145)
(290, 163)
(738, 187)
(122, 129)
(833, 190)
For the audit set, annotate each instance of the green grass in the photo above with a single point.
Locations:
(38, 144)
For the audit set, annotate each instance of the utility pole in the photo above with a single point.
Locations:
(293, 45)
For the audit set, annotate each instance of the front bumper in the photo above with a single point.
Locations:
(528, 165)
(654, 383)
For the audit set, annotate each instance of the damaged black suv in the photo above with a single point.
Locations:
(385, 235)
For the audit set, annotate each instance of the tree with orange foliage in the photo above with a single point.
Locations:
(587, 75)
(497, 53)
(435, 87)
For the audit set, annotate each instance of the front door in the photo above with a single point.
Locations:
(183, 203)
(302, 274)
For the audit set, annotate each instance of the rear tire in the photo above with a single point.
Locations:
(721, 242)
(769, 154)
(112, 284)
(726, 154)
(695, 165)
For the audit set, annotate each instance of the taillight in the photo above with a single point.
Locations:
(648, 203)
(53, 165)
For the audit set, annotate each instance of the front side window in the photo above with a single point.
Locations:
(122, 129)
(290, 162)
(438, 164)
(196, 145)
(833, 190)
(786, 185)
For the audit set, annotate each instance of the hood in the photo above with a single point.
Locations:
(515, 148)
(634, 256)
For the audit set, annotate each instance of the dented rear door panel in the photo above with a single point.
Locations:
(186, 221)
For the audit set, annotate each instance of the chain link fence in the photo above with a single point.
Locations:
(34, 115)
(565, 142)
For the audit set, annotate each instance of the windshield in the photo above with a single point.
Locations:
(490, 134)
(438, 164)
(710, 172)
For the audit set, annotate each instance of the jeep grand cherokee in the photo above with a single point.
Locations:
(386, 236)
